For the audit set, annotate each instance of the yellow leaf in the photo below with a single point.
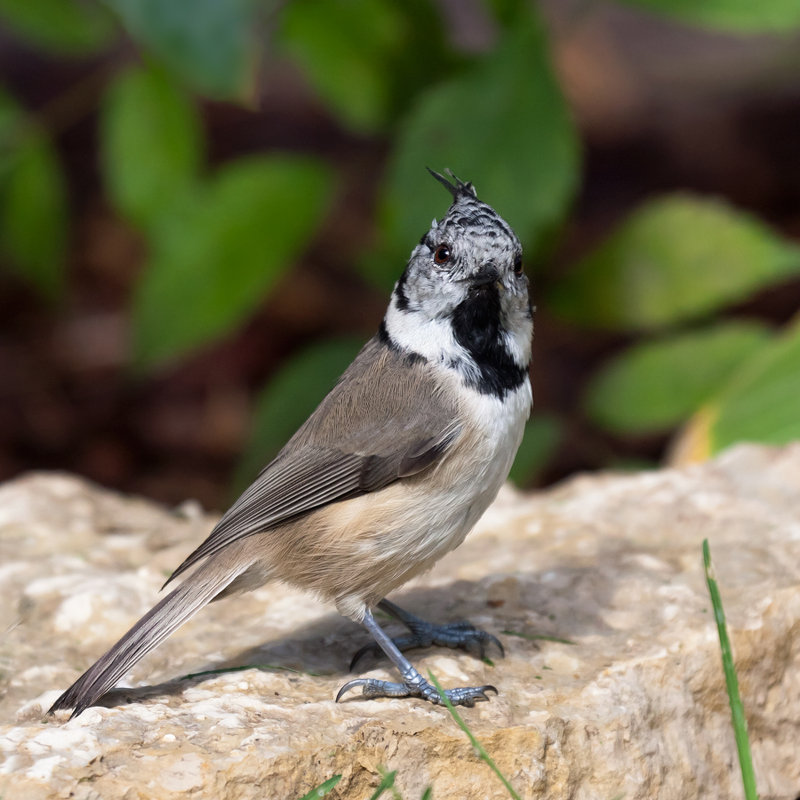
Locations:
(692, 444)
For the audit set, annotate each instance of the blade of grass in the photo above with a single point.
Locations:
(475, 743)
(731, 681)
(322, 789)
(387, 782)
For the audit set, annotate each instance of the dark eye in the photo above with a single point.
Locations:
(518, 265)
(441, 255)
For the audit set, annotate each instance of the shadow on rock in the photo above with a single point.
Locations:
(560, 604)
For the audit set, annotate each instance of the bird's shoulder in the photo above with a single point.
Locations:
(387, 397)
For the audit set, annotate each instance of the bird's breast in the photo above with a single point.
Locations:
(423, 518)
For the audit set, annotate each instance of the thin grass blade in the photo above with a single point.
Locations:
(475, 743)
(731, 682)
(322, 789)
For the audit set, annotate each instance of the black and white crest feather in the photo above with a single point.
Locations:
(456, 189)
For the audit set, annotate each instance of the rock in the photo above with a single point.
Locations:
(611, 687)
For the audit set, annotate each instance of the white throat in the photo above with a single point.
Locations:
(431, 338)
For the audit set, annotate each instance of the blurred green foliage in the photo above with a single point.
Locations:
(655, 385)
(209, 267)
(152, 143)
(60, 26)
(759, 402)
(730, 15)
(368, 60)
(675, 259)
(212, 45)
(33, 205)
(218, 241)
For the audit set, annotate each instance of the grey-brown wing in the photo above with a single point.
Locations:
(385, 420)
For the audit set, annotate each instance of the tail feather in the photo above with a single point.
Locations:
(155, 626)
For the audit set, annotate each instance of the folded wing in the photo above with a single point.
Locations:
(385, 420)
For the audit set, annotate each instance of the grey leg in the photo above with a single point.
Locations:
(413, 685)
(461, 635)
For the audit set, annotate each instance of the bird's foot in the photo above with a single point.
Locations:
(416, 686)
(458, 635)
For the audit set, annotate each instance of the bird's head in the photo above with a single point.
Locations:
(464, 291)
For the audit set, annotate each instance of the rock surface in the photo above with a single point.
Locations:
(625, 700)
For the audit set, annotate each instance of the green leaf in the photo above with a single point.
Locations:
(70, 27)
(655, 385)
(342, 46)
(33, 203)
(207, 42)
(743, 16)
(543, 434)
(676, 258)
(760, 403)
(221, 248)
(504, 126)
(288, 400)
(151, 141)
(366, 59)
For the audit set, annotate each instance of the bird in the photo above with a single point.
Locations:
(393, 468)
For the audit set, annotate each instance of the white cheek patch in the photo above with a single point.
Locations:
(431, 338)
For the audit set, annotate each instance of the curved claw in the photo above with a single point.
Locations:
(348, 686)
(477, 636)
(496, 642)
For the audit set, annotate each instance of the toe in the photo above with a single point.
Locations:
(470, 695)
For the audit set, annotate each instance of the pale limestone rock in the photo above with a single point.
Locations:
(633, 707)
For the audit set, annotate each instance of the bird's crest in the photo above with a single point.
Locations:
(458, 189)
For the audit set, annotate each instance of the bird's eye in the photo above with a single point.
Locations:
(441, 255)
(518, 265)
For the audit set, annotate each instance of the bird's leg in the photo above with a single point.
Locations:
(462, 635)
(413, 685)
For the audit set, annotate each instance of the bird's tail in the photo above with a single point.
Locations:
(155, 626)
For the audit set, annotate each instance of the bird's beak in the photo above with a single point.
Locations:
(488, 274)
